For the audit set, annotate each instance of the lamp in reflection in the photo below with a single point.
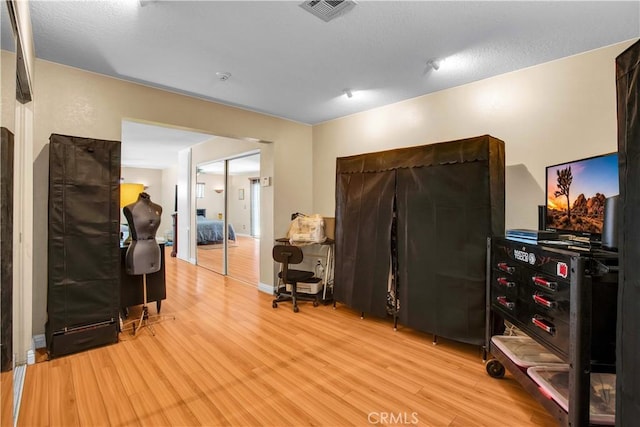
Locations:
(129, 193)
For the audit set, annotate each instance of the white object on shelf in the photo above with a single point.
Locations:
(555, 382)
(307, 288)
(524, 351)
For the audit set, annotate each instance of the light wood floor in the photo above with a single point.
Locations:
(6, 398)
(243, 258)
(231, 359)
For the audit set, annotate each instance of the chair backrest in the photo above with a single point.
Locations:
(287, 254)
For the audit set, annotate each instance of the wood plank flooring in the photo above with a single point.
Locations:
(230, 359)
(6, 398)
(243, 259)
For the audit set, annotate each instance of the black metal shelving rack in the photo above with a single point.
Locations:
(577, 353)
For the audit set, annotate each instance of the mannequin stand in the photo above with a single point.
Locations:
(145, 319)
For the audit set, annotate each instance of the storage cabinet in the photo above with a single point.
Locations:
(83, 293)
(131, 286)
(628, 97)
(563, 299)
(420, 216)
(6, 250)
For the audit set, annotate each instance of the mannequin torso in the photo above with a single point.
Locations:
(143, 216)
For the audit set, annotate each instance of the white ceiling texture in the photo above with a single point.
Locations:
(286, 62)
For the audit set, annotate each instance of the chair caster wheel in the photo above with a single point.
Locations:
(274, 304)
(495, 369)
(296, 309)
(315, 303)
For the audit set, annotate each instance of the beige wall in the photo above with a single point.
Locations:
(213, 202)
(8, 90)
(547, 114)
(75, 102)
(240, 210)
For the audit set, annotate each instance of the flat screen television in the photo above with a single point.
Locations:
(576, 192)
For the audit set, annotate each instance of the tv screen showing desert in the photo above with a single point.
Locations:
(576, 193)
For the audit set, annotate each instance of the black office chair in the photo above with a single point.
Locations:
(288, 254)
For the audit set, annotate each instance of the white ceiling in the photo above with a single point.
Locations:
(149, 146)
(288, 63)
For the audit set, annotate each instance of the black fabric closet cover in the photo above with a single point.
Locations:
(363, 238)
(448, 198)
(628, 329)
(84, 232)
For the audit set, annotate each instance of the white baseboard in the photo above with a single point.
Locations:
(39, 341)
(19, 373)
(267, 289)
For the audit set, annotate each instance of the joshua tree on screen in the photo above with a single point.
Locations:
(564, 182)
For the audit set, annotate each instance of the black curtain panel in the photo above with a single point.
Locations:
(84, 236)
(363, 239)
(628, 331)
(6, 249)
(448, 198)
(441, 251)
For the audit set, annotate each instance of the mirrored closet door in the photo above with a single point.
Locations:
(228, 217)
(210, 215)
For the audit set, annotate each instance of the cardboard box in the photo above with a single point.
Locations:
(330, 227)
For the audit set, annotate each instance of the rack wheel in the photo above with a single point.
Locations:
(274, 304)
(295, 309)
(495, 369)
(315, 303)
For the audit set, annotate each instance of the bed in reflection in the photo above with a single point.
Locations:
(210, 231)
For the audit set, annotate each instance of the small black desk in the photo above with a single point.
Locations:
(131, 292)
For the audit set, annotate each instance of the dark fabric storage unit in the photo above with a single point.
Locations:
(447, 198)
(84, 234)
(364, 212)
(628, 337)
(6, 249)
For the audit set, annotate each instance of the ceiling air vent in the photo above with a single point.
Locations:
(327, 10)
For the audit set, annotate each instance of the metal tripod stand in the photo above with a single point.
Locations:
(145, 319)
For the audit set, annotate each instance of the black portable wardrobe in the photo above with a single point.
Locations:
(6, 249)
(628, 329)
(420, 216)
(83, 245)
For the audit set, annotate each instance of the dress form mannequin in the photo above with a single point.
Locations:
(143, 255)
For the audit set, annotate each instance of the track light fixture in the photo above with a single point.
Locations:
(348, 93)
(433, 64)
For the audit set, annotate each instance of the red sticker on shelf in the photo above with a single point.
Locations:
(562, 270)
